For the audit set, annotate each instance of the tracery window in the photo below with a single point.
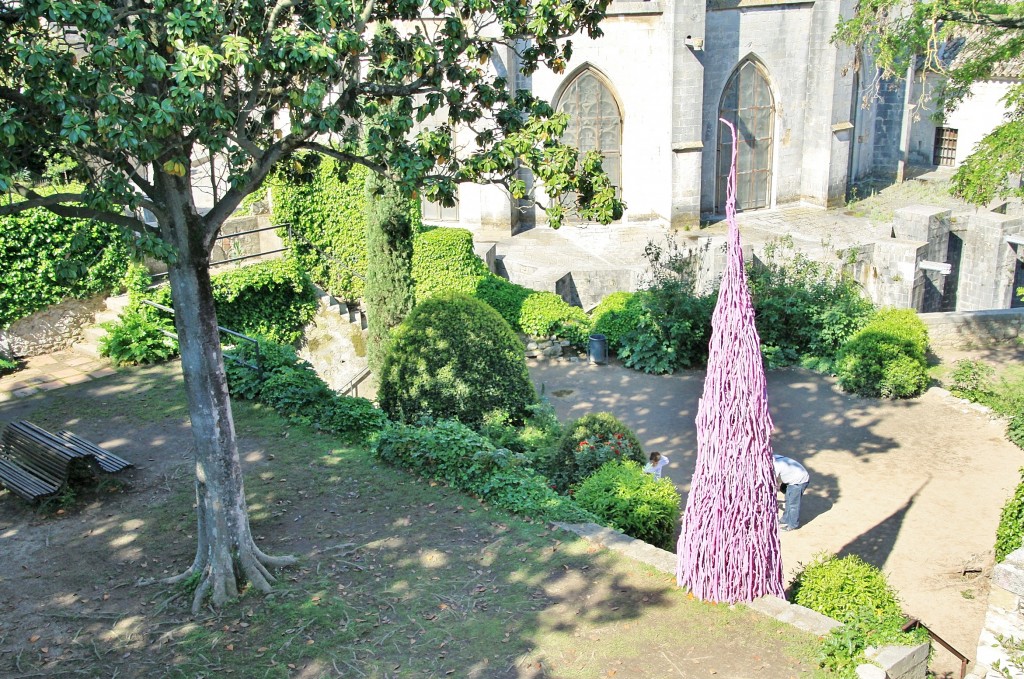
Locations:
(595, 122)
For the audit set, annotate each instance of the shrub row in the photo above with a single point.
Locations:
(444, 262)
(45, 259)
(449, 451)
(293, 389)
(856, 594)
(273, 300)
(887, 357)
(587, 443)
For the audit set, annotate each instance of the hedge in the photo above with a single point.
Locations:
(887, 357)
(45, 259)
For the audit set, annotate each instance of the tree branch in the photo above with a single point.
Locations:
(54, 203)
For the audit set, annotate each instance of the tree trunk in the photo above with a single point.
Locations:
(226, 556)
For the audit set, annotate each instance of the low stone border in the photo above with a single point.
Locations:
(893, 662)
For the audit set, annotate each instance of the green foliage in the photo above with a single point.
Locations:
(1015, 429)
(389, 285)
(627, 499)
(455, 357)
(7, 364)
(327, 208)
(618, 314)
(672, 331)
(886, 357)
(444, 262)
(577, 455)
(803, 308)
(1010, 532)
(449, 451)
(138, 337)
(856, 594)
(972, 380)
(45, 259)
(273, 375)
(273, 300)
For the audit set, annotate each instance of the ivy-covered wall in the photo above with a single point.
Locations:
(45, 259)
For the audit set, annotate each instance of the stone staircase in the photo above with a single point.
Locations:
(89, 344)
(335, 345)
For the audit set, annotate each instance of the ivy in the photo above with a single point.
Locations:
(45, 259)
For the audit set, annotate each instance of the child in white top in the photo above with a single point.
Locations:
(656, 464)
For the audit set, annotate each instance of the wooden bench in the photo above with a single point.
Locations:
(36, 464)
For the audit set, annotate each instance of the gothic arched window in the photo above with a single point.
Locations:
(595, 122)
(747, 103)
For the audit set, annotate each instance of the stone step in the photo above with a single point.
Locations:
(87, 348)
(117, 304)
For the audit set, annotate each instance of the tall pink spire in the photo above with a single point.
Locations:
(729, 546)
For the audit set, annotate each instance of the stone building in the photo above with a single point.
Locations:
(649, 94)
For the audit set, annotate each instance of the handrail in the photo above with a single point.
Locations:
(257, 366)
(914, 623)
(240, 257)
(353, 384)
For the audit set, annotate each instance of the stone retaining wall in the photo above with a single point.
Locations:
(1004, 618)
(51, 329)
(968, 329)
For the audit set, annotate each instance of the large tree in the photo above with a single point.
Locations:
(964, 41)
(134, 90)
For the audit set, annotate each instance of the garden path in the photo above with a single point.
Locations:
(914, 487)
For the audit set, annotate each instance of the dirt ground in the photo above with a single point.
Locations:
(397, 577)
(914, 487)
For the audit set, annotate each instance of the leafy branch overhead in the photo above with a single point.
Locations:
(135, 90)
(966, 42)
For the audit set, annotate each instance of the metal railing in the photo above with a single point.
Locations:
(240, 258)
(353, 384)
(914, 623)
(257, 366)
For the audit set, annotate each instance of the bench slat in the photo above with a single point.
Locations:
(24, 484)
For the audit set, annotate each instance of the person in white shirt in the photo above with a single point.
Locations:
(792, 478)
(656, 464)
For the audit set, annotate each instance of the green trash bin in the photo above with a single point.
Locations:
(597, 349)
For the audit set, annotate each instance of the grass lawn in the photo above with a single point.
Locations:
(397, 577)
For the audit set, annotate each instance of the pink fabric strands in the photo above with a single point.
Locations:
(729, 546)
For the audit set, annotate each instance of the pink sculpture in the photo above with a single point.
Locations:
(729, 546)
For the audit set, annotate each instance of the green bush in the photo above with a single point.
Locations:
(443, 262)
(972, 380)
(292, 388)
(627, 499)
(45, 259)
(327, 207)
(1010, 532)
(7, 364)
(886, 357)
(138, 337)
(803, 308)
(272, 300)
(574, 459)
(856, 594)
(455, 357)
(449, 451)
(618, 314)
(1015, 429)
(672, 331)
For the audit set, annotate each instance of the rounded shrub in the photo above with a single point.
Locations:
(856, 594)
(455, 357)
(886, 357)
(618, 314)
(579, 451)
(627, 499)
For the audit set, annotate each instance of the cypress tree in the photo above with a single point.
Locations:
(389, 291)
